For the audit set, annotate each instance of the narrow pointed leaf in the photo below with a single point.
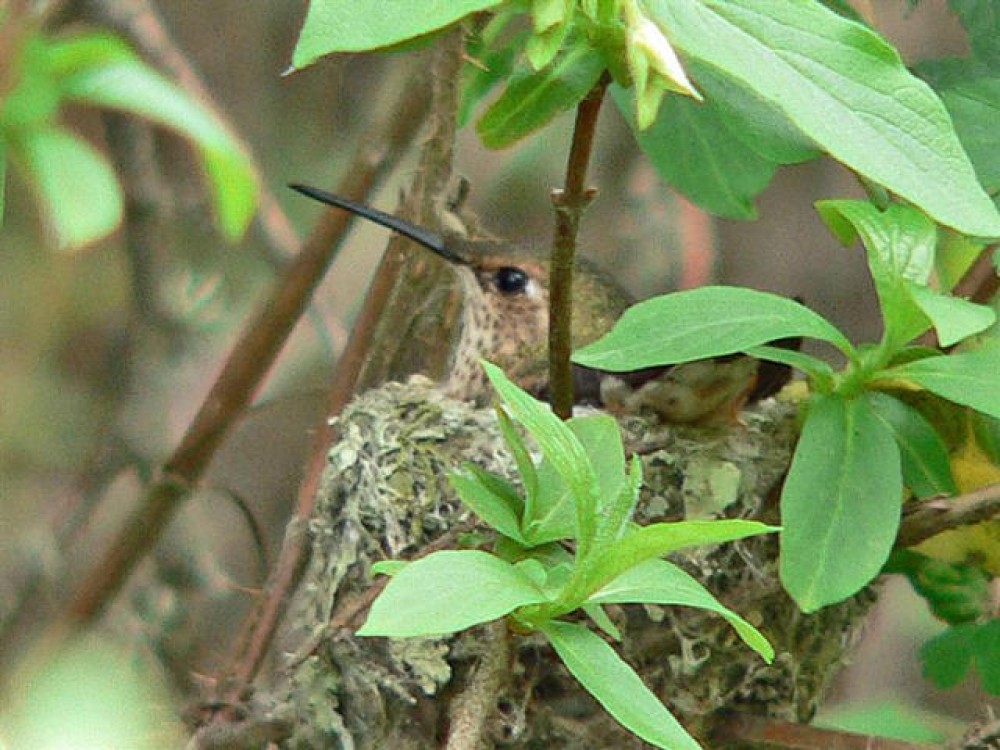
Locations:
(662, 582)
(493, 508)
(700, 323)
(656, 540)
(616, 686)
(533, 98)
(449, 591)
(953, 318)
(969, 379)
(840, 506)
(560, 446)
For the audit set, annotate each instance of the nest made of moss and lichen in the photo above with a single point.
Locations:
(385, 495)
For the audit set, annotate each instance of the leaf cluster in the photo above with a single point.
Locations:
(73, 182)
(567, 543)
(719, 93)
(861, 441)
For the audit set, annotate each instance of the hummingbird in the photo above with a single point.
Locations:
(505, 319)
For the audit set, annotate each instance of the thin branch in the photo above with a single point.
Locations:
(742, 730)
(569, 204)
(931, 517)
(241, 376)
(472, 709)
(408, 115)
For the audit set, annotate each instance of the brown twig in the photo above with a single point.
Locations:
(472, 709)
(409, 114)
(931, 517)
(241, 375)
(569, 204)
(743, 730)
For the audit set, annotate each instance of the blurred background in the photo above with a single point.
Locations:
(106, 357)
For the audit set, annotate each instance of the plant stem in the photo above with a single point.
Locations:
(569, 204)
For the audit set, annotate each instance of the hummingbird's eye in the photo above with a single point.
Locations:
(510, 280)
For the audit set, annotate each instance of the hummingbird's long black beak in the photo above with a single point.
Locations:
(431, 240)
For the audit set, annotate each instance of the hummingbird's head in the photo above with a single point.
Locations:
(505, 318)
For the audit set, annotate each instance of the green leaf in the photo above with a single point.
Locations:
(560, 446)
(924, 456)
(388, 567)
(616, 686)
(899, 243)
(449, 591)
(700, 323)
(662, 582)
(953, 318)
(525, 464)
(493, 508)
(948, 656)
(981, 19)
(76, 188)
(360, 25)
(971, 92)
(690, 147)
(812, 366)
(969, 379)
(845, 88)
(840, 506)
(496, 61)
(722, 152)
(133, 87)
(532, 98)
(655, 540)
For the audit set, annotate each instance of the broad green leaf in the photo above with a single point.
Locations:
(969, 379)
(953, 318)
(655, 540)
(845, 88)
(924, 456)
(493, 508)
(133, 87)
(840, 506)
(899, 244)
(720, 152)
(616, 686)
(971, 92)
(76, 188)
(601, 439)
(532, 98)
(360, 25)
(900, 240)
(560, 446)
(701, 323)
(948, 656)
(690, 147)
(662, 582)
(449, 591)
